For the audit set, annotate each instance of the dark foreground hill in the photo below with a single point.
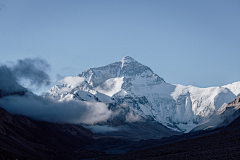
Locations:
(222, 145)
(24, 138)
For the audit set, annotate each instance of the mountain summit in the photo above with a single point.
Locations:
(128, 59)
(127, 68)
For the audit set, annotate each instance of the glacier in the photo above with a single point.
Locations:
(131, 84)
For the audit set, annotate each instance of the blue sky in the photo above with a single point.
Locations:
(189, 42)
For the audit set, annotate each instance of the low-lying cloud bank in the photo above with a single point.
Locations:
(47, 110)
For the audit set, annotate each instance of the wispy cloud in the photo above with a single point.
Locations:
(29, 72)
(33, 70)
(101, 129)
(133, 117)
(74, 81)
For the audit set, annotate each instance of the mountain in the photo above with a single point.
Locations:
(130, 84)
(139, 105)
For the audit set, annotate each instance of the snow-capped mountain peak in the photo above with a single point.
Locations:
(128, 59)
(127, 68)
(132, 84)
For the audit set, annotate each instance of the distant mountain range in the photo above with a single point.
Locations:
(135, 86)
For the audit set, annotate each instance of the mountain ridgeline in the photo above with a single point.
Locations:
(130, 86)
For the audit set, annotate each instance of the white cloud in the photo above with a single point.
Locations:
(133, 117)
(47, 110)
(73, 81)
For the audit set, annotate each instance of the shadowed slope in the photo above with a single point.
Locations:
(223, 145)
(23, 137)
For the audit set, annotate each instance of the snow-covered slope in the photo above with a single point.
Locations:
(137, 87)
(234, 87)
(83, 92)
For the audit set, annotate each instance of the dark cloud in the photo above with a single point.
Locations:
(8, 83)
(33, 70)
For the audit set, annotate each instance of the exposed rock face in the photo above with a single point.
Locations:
(235, 102)
(223, 117)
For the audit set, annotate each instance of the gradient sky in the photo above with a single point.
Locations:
(188, 42)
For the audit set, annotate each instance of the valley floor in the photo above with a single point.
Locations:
(222, 145)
